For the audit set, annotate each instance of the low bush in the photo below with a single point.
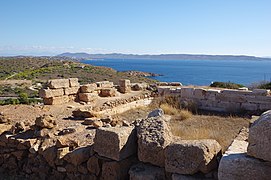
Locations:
(261, 85)
(228, 85)
(180, 114)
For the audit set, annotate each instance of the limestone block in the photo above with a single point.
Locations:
(191, 156)
(147, 172)
(153, 136)
(71, 90)
(45, 121)
(261, 92)
(58, 83)
(187, 92)
(235, 164)
(48, 93)
(139, 86)
(83, 113)
(117, 169)
(79, 155)
(124, 86)
(73, 82)
(88, 88)
(105, 84)
(249, 106)
(260, 137)
(200, 93)
(108, 92)
(120, 143)
(56, 100)
(211, 94)
(88, 97)
(231, 97)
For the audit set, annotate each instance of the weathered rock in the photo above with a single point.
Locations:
(88, 121)
(67, 131)
(18, 127)
(186, 177)
(73, 82)
(58, 83)
(83, 113)
(156, 113)
(62, 152)
(66, 142)
(56, 100)
(88, 88)
(97, 123)
(48, 93)
(117, 169)
(153, 136)
(260, 137)
(105, 84)
(120, 143)
(88, 97)
(93, 165)
(191, 156)
(3, 118)
(79, 155)
(71, 90)
(146, 172)
(235, 164)
(139, 86)
(108, 92)
(124, 86)
(45, 121)
(4, 128)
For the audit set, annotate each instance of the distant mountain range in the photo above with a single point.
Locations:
(87, 56)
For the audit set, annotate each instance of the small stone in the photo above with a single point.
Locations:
(125, 123)
(45, 121)
(61, 169)
(156, 113)
(97, 123)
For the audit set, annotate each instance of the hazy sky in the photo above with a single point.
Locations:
(140, 26)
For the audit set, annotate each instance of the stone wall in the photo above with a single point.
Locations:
(221, 100)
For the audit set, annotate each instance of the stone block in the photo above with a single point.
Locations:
(71, 90)
(120, 143)
(147, 172)
(56, 100)
(192, 156)
(105, 84)
(153, 136)
(260, 137)
(249, 106)
(58, 83)
(261, 92)
(79, 155)
(117, 169)
(73, 82)
(108, 92)
(48, 93)
(88, 97)
(88, 88)
(187, 92)
(236, 164)
(124, 86)
(200, 93)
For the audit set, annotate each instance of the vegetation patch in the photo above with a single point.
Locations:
(227, 85)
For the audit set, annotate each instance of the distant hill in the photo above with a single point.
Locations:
(159, 57)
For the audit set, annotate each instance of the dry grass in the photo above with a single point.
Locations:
(180, 114)
(222, 129)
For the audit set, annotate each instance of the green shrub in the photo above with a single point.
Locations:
(228, 85)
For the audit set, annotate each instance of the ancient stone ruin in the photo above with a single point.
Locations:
(102, 148)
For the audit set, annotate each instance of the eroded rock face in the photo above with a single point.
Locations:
(153, 136)
(115, 143)
(260, 138)
(45, 121)
(146, 172)
(191, 156)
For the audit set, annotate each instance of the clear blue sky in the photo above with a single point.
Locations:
(140, 26)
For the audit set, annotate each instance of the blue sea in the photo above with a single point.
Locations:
(195, 72)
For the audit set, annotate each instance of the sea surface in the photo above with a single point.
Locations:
(195, 72)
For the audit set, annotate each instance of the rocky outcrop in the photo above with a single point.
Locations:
(191, 156)
(260, 138)
(153, 136)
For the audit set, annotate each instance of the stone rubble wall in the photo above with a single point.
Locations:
(61, 91)
(145, 149)
(258, 100)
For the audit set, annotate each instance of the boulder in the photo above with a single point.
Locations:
(82, 113)
(45, 121)
(66, 142)
(146, 172)
(156, 113)
(260, 137)
(236, 164)
(120, 143)
(153, 136)
(191, 156)
(88, 97)
(79, 155)
(58, 83)
(93, 165)
(88, 88)
(97, 123)
(73, 82)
